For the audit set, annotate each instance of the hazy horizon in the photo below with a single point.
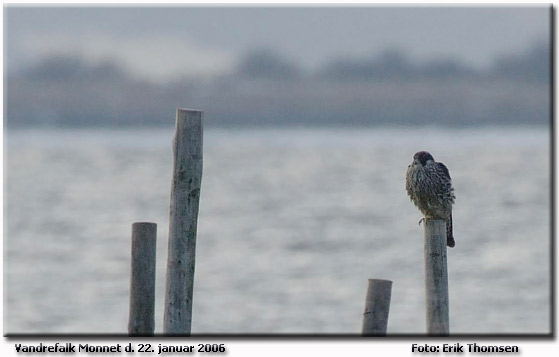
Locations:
(244, 66)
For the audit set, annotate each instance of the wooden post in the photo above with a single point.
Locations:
(141, 320)
(436, 278)
(377, 306)
(183, 218)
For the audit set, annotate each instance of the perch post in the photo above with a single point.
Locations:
(436, 278)
(183, 218)
(377, 306)
(142, 279)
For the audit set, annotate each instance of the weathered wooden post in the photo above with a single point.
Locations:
(377, 306)
(183, 218)
(436, 277)
(141, 320)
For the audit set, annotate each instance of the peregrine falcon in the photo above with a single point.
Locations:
(430, 188)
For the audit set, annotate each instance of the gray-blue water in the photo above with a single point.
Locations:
(292, 224)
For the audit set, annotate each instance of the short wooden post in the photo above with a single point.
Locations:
(183, 218)
(377, 306)
(142, 279)
(436, 278)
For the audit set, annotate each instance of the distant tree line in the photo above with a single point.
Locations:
(268, 89)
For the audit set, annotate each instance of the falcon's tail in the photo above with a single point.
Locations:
(449, 236)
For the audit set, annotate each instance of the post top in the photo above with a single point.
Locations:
(188, 110)
(142, 223)
(381, 280)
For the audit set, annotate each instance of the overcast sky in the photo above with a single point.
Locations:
(160, 42)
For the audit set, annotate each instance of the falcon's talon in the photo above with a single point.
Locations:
(422, 220)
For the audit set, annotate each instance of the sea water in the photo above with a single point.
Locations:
(292, 223)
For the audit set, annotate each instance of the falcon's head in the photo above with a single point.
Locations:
(422, 158)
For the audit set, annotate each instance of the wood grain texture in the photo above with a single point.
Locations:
(183, 219)
(141, 320)
(436, 278)
(377, 307)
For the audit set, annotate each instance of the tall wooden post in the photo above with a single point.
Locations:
(436, 278)
(142, 279)
(183, 219)
(377, 306)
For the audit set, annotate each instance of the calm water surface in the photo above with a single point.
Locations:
(292, 224)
